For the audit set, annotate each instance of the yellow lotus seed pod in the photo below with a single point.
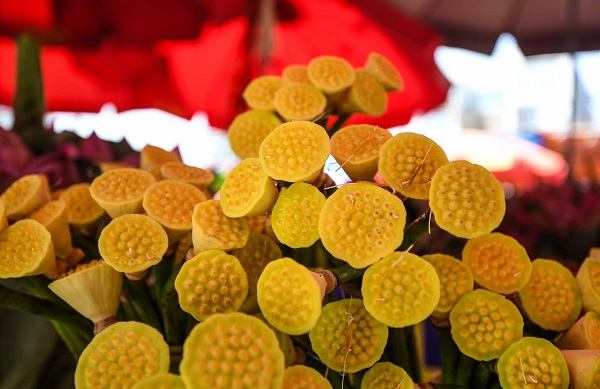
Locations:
(25, 195)
(53, 216)
(122, 355)
(161, 381)
(401, 290)
(155, 156)
(584, 334)
(25, 250)
(386, 375)
(533, 363)
(257, 223)
(3, 219)
(385, 71)
(499, 262)
(304, 377)
(466, 199)
(347, 338)
(255, 255)
(260, 92)
(289, 297)
(361, 223)
(552, 298)
(484, 324)
(121, 191)
(295, 216)
(295, 151)
(179, 171)
(367, 95)
(108, 165)
(212, 229)
(588, 278)
(171, 203)
(297, 101)
(296, 73)
(408, 161)
(456, 280)
(211, 282)
(249, 129)
(584, 368)
(82, 209)
(232, 350)
(356, 149)
(330, 74)
(132, 243)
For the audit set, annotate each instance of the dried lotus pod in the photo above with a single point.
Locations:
(295, 151)
(385, 71)
(330, 74)
(366, 96)
(498, 262)
(161, 381)
(255, 255)
(297, 101)
(296, 73)
(3, 219)
(301, 376)
(386, 375)
(584, 334)
(356, 149)
(533, 362)
(82, 210)
(121, 191)
(179, 171)
(248, 129)
(260, 92)
(171, 203)
(295, 216)
(401, 289)
(408, 161)
(248, 190)
(584, 368)
(122, 355)
(232, 350)
(588, 278)
(361, 223)
(466, 199)
(347, 338)
(212, 229)
(289, 296)
(25, 195)
(92, 289)
(53, 216)
(211, 282)
(552, 298)
(484, 324)
(156, 156)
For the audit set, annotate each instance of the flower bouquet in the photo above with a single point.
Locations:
(158, 275)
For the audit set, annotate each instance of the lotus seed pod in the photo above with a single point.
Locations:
(25, 195)
(295, 216)
(386, 375)
(248, 190)
(584, 334)
(552, 298)
(408, 161)
(121, 191)
(347, 338)
(161, 381)
(295, 151)
(255, 255)
(249, 129)
(588, 278)
(26, 250)
(456, 280)
(533, 363)
(109, 165)
(297, 101)
(232, 350)
(484, 324)
(595, 252)
(179, 171)
(53, 216)
(304, 377)
(289, 297)
(92, 289)
(171, 203)
(401, 290)
(361, 223)
(3, 219)
(285, 342)
(155, 156)
(260, 92)
(367, 95)
(330, 74)
(499, 262)
(211, 282)
(212, 229)
(385, 71)
(122, 355)
(132, 243)
(256, 224)
(296, 73)
(81, 208)
(356, 149)
(183, 246)
(584, 368)
(466, 199)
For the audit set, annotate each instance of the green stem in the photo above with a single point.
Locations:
(414, 231)
(168, 304)
(399, 351)
(342, 117)
(346, 273)
(128, 312)
(481, 375)
(72, 337)
(450, 356)
(465, 371)
(139, 296)
(412, 343)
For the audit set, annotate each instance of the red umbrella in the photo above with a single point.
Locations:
(189, 56)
